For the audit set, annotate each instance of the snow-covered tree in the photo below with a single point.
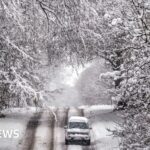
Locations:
(19, 48)
(122, 36)
(77, 31)
(133, 89)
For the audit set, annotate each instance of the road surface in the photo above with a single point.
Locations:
(45, 130)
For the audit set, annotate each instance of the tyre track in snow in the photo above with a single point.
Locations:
(59, 133)
(51, 124)
(32, 125)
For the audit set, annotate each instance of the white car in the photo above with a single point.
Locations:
(77, 129)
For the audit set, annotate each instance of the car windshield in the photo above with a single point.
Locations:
(80, 125)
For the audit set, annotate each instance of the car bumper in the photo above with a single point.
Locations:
(77, 137)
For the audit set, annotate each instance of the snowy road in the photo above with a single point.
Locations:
(45, 131)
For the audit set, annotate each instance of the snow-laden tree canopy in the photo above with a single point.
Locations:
(75, 32)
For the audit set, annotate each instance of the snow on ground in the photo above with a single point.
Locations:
(103, 138)
(101, 118)
(11, 124)
(16, 119)
(42, 135)
(98, 107)
(20, 111)
(75, 147)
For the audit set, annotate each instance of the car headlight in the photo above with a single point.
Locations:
(69, 133)
(87, 134)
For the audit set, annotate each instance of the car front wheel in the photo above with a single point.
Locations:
(66, 142)
(88, 142)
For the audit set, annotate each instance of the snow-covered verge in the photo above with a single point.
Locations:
(12, 124)
(15, 121)
(20, 111)
(103, 138)
(102, 118)
(98, 107)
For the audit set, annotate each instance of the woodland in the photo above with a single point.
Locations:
(76, 32)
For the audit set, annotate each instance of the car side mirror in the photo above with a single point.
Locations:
(65, 127)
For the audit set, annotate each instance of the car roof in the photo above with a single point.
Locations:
(78, 119)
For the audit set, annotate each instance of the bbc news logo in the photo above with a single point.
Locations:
(7, 134)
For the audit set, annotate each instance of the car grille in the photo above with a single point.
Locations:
(78, 133)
